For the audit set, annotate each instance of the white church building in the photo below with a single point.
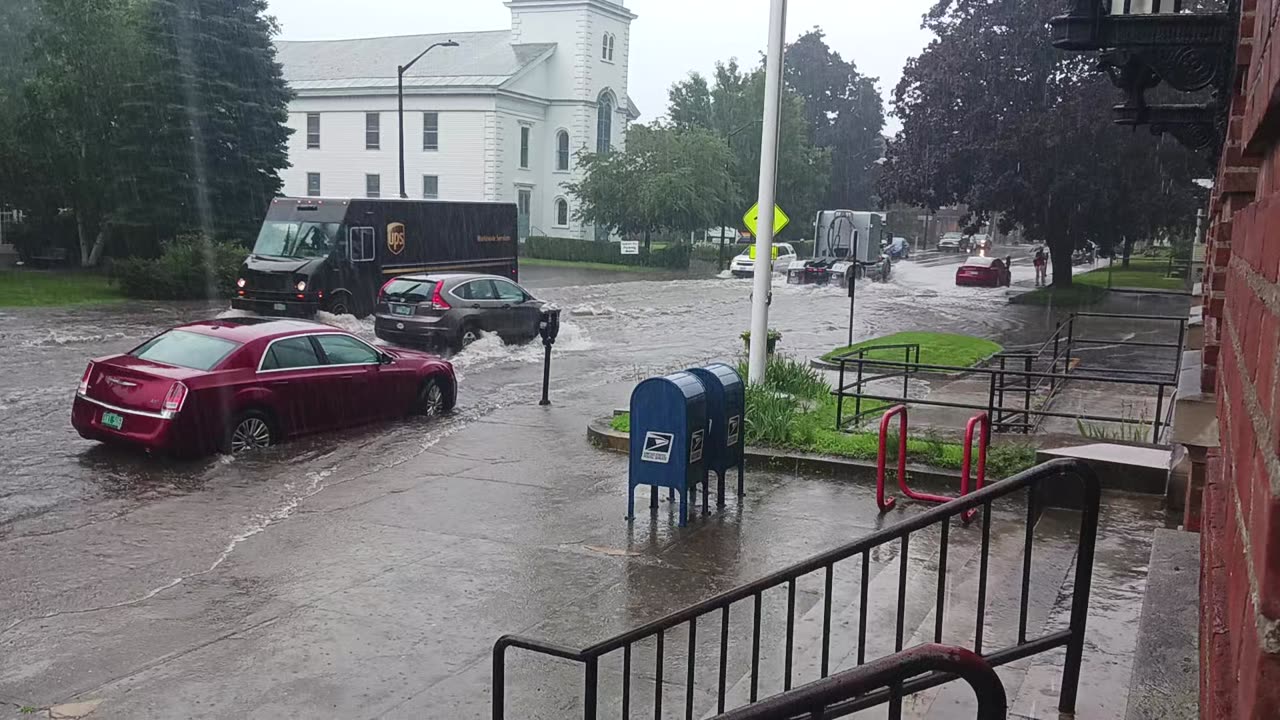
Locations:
(498, 118)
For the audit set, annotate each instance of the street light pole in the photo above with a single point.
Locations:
(400, 71)
(729, 141)
(761, 296)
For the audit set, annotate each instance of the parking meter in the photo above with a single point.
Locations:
(549, 329)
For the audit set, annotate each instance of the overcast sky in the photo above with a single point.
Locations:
(670, 38)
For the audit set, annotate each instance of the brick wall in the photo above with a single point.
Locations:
(1240, 532)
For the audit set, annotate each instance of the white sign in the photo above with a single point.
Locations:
(735, 426)
(630, 247)
(695, 446)
(657, 447)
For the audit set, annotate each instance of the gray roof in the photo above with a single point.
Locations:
(482, 59)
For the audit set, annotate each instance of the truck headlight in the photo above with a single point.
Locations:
(240, 282)
(302, 285)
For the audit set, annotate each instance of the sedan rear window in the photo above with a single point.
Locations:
(185, 349)
(409, 290)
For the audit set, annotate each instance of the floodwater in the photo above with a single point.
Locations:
(616, 326)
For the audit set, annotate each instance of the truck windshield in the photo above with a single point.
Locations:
(283, 238)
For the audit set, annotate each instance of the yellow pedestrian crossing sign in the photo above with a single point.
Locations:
(752, 219)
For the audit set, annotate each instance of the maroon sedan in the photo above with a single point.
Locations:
(984, 272)
(245, 383)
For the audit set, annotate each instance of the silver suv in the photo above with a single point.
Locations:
(454, 309)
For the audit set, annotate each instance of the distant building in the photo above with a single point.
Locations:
(500, 117)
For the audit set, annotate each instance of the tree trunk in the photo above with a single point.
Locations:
(646, 242)
(84, 241)
(1127, 249)
(1060, 253)
(99, 245)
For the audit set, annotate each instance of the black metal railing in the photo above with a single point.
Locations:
(1034, 379)
(910, 359)
(824, 698)
(717, 608)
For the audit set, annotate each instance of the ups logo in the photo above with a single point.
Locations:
(395, 238)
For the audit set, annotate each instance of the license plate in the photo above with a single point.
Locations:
(278, 306)
(112, 420)
(401, 310)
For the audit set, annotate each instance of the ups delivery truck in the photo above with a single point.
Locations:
(334, 255)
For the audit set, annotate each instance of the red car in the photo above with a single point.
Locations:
(984, 272)
(244, 383)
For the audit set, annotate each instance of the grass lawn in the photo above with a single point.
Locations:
(42, 288)
(1145, 273)
(794, 409)
(935, 348)
(539, 262)
(1073, 296)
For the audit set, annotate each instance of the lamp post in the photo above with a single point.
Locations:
(400, 71)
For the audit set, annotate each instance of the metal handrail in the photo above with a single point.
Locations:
(966, 466)
(1072, 638)
(817, 699)
(886, 504)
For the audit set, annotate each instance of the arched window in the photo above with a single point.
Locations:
(604, 50)
(562, 150)
(604, 123)
(562, 212)
(611, 40)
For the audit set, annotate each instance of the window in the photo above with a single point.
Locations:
(604, 49)
(185, 349)
(509, 291)
(289, 354)
(476, 290)
(562, 212)
(362, 244)
(430, 131)
(313, 131)
(524, 200)
(372, 131)
(562, 150)
(431, 187)
(313, 184)
(604, 124)
(346, 350)
(609, 52)
(524, 146)
(373, 186)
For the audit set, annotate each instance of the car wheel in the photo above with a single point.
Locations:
(250, 430)
(340, 304)
(434, 398)
(467, 335)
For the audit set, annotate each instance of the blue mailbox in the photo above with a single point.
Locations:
(668, 439)
(726, 411)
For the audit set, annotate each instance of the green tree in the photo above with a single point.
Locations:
(997, 119)
(666, 179)
(17, 20)
(83, 54)
(209, 114)
(845, 114)
(735, 99)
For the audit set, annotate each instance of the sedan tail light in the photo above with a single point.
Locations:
(84, 381)
(437, 301)
(175, 398)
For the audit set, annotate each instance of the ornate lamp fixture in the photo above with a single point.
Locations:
(1142, 43)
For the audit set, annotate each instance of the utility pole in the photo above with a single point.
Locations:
(762, 295)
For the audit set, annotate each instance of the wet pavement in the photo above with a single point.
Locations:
(366, 573)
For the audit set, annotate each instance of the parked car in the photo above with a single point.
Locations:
(454, 309)
(898, 249)
(984, 272)
(744, 264)
(244, 383)
(952, 242)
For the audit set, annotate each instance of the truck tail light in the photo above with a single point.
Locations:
(175, 398)
(84, 381)
(438, 302)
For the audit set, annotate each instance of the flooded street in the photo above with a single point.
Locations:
(616, 326)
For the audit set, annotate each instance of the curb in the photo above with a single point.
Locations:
(600, 434)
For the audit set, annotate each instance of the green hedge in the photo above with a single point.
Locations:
(189, 268)
(551, 248)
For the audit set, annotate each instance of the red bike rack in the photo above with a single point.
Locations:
(900, 411)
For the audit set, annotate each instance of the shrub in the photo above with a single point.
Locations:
(675, 256)
(785, 374)
(190, 267)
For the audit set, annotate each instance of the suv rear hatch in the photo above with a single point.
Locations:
(412, 296)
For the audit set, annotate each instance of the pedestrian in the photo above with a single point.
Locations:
(1041, 262)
